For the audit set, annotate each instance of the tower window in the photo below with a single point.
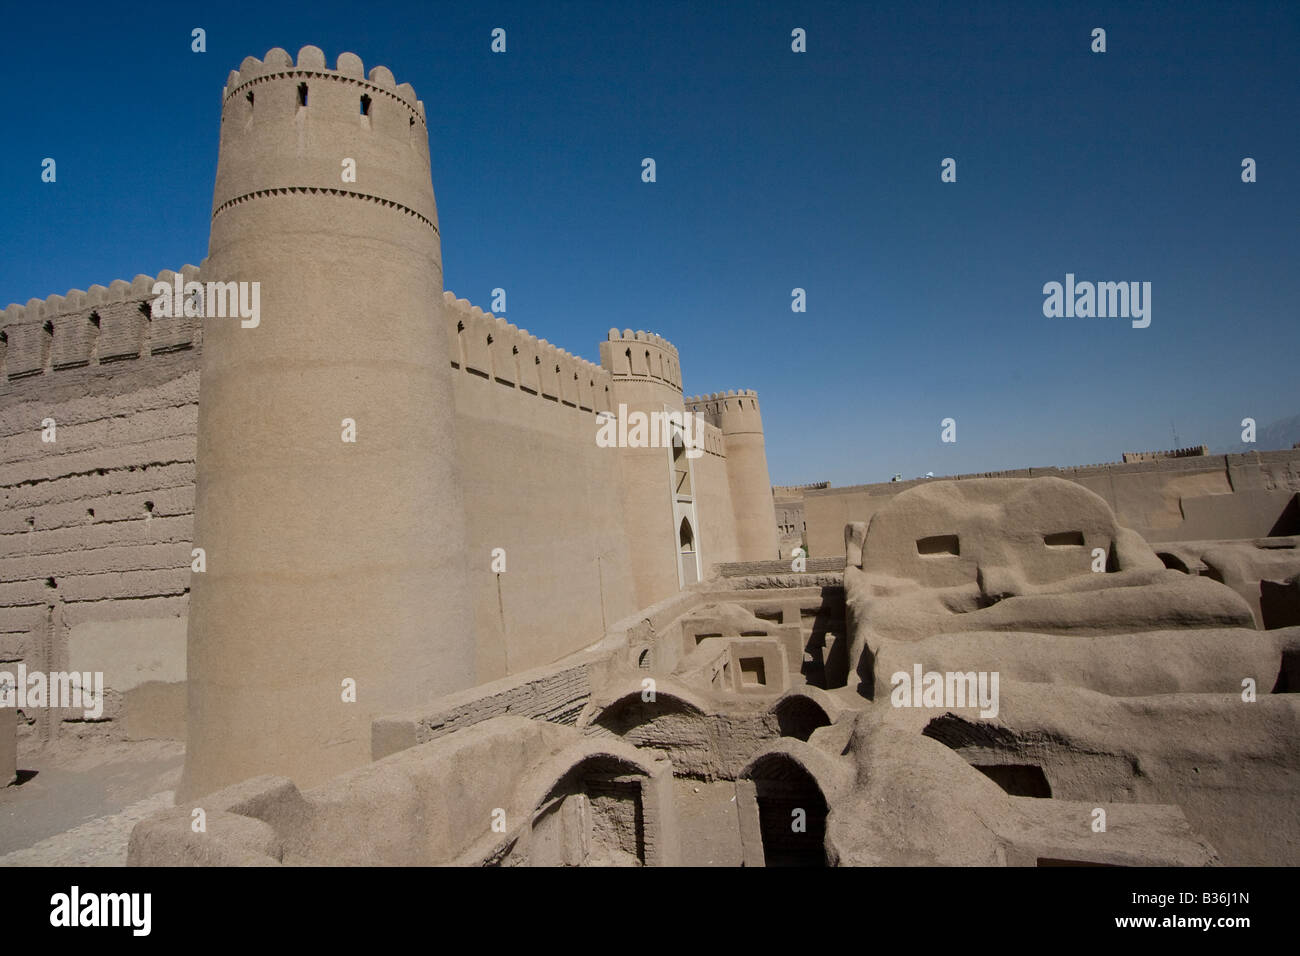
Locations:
(250, 99)
(302, 94)
(365, 105)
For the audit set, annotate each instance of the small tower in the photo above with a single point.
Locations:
(330, 563)
(737, 415)
(648, 378)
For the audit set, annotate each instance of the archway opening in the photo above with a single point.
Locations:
(799, 716)
(593, 816)
(686, 543)
(791, 813)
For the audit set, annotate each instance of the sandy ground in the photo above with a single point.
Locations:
(77, 801)
(708, 821)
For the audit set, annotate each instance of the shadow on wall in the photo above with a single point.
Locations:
(798, 716)
(1288, 522)
(1279, 603)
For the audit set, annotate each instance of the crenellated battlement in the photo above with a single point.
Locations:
(95, 326)
(712, 440)
(720, 398)
(641, 355)
(294, 131)
(486, 345)
(349, 70)
(1194, 451)
(733, 411)
(782, 491)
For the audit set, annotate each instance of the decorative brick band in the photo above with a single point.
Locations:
(315, 190)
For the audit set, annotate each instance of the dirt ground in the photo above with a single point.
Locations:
(708, 822)
(76, 801)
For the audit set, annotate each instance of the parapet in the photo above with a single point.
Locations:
(1195, 451)
(641, 355)
(486, 345)
(349, 70)
(287, 127)
(97, 326)
(796, 491)
(735, 412)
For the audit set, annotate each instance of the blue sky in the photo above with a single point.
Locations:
(775, 170)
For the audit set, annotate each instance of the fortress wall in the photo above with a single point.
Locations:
(96, 526)
(537, 485)
(1168, 499)
(124, 397)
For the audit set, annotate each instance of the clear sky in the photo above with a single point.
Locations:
(775, 170)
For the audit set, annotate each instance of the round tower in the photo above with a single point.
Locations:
(647, 379)
(328, 499)
(738, 416)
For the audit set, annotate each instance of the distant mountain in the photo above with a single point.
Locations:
(1279, 435)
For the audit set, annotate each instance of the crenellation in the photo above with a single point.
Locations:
(548, 370)
(641, 355)
(477, 356)
(311, 58)
(505, 367)
(517, 359)
(175, 332)
(75, 338)
(29, 349)
(277, 58)
(258, 76)
(349, 64)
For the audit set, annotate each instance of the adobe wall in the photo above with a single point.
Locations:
(536, 485)
(1167, 499)
(96, 527)
(790, 524)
